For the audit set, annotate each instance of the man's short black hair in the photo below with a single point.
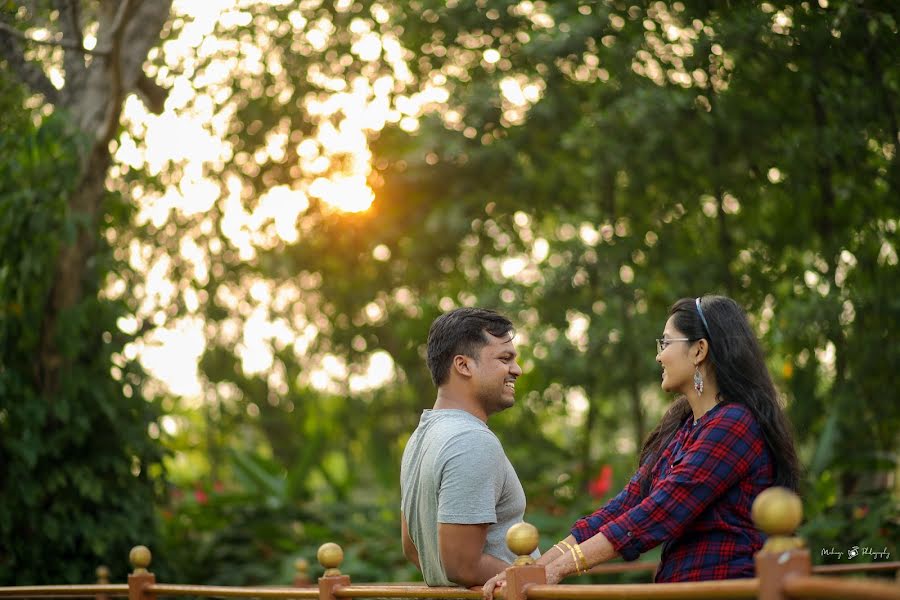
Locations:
(461, 331)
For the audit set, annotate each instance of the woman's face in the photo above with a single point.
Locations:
(678, 370)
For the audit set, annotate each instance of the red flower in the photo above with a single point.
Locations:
(200, 496)
(599, 486)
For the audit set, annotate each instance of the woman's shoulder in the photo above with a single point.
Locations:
(735, 414)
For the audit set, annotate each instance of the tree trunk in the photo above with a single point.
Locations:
(634, 392)
(93, 94)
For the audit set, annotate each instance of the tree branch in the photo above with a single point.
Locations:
(70, 20)
(73, 62)
(29, 73)
(153, 94)
(59, 43)
(129, 29)
(114, 63)
(118, 26)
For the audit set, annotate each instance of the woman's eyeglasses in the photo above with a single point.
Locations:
(663, 343)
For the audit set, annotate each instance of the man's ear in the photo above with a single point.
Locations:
(461, 365)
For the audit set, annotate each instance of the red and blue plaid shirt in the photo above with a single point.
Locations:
(698, 503)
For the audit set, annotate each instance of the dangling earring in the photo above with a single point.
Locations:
(698, 381)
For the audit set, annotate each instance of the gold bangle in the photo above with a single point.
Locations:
(558, 547)
(575, 562)
(574, 556)
(584, 565)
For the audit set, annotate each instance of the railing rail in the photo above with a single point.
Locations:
(839, 589)
(863, 568)
(794, 587)
(783, 572)
(738, 588)
(651, 566)
(404, 591)
(64, 591)
(219, 591)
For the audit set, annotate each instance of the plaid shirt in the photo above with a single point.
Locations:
(699, 500)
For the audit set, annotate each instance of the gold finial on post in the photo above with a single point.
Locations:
(778, 512)
(102, 579)
(102, 574)
(301, 572)
(140, 558)
(141, 578)
(330, 556)
(522, 539)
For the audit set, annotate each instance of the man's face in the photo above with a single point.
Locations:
(495, 372)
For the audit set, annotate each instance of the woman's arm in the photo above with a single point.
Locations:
(629, 497)
(596, 550)
(563, 560)
(723, 453)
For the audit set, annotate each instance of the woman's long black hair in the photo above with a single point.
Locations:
(736, 358)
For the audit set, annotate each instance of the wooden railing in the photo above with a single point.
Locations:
(783, 569)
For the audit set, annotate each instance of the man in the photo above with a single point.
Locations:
(459, 492)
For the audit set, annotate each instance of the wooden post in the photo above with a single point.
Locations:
(778, 512)
(330, 556)
(522, 539)
(102, 579)
(141, 578)
(301, 573)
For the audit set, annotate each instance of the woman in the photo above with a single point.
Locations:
(723, 441)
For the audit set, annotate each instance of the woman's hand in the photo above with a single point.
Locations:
(553, 576)
(496, 582)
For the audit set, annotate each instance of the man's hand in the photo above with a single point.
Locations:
(462, 554)
(493, 584)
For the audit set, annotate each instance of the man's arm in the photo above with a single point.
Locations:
(462, 554)
(409, 548)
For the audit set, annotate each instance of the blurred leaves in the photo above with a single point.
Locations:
(592, 163)
(78, 470)
(667, 150)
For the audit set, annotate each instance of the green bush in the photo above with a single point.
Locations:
(78, 469)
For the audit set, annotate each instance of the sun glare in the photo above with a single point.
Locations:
(333, 166)
(348, 194)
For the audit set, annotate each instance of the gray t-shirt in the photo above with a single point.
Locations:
(454, 470)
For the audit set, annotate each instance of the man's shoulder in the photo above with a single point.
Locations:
(453, 423)
(451, 432)
(479, 437)
(450, 437)
(472, 443)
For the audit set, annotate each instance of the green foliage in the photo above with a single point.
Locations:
(251, 531)
(669, 150)
(673, 150)
(838, 522)
(78, 470)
